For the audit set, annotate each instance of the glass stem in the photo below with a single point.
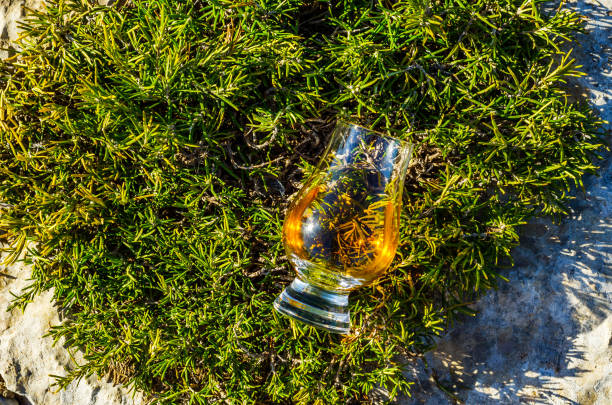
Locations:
(315, 306)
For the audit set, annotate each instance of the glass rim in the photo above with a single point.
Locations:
(405, 143)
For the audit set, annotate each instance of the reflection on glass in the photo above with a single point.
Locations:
(342, 230)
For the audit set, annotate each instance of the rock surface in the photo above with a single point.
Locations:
(545, 337)
(11, 12)
(27, 358)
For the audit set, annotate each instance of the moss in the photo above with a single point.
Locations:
(149, 149)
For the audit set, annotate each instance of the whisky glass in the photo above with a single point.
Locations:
(342, 229)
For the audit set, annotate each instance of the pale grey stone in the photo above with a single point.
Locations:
(546, 336)
(27, 358)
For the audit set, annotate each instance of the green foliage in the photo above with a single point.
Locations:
(148, 151)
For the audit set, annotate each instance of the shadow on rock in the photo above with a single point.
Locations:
(545, 337)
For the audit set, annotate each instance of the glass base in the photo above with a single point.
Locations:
(315, 306)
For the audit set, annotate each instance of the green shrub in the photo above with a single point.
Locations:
(148, 151)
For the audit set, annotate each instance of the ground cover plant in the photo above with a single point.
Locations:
(148, 151)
